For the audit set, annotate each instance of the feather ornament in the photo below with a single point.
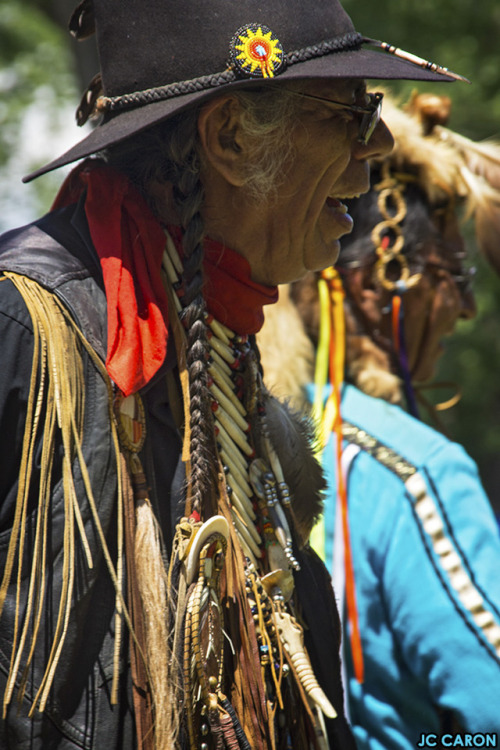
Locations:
(487, 223)
(82, 23)
(482, 158)
(292, 436)
(87, 106)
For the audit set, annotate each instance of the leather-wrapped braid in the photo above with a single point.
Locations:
(188, 195)
(168, 153)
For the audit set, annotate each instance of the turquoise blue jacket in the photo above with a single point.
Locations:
(426, 552)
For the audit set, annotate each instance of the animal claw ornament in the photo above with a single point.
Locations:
(204, 633)
(217, 525)
(292, 638)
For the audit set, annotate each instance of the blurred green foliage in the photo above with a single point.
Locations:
(32, 56)
(36, 76)
(459, 34)
(472, 360)
(37, 68)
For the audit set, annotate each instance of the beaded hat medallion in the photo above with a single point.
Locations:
(256, 52)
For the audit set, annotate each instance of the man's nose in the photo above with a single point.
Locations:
(380, 144)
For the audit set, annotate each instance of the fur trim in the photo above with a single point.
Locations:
(370, 371)
(434, 163)
(287, 353)
(288, 360)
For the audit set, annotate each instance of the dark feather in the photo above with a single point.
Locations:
(86, 108)
(292, 436)
(82, 24)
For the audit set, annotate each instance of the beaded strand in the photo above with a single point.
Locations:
(248, 480)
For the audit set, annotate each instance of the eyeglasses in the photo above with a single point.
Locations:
(463, 278)
(371, 112)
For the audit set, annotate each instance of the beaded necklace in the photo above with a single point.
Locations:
(247, 477)
(255, 513)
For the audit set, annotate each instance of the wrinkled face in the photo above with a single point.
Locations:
(298, 230)
(433, 307)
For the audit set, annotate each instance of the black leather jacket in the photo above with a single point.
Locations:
(57, 252)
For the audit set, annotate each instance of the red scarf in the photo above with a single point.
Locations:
(130, 242)
(231, 295)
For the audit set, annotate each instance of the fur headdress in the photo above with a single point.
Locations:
(448, 166)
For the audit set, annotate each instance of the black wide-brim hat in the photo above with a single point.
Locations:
(159, 57)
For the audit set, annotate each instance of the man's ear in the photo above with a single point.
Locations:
(221, 138)
(365, 296)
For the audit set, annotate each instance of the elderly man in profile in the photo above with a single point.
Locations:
(158, 590)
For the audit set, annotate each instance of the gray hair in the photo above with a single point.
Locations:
(268, 119)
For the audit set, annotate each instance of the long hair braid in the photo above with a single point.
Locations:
(188, 196)
(170, 153)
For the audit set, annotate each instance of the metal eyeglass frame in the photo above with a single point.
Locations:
(463, 278)
(372, 112)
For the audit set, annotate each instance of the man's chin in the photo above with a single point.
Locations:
(328, 259)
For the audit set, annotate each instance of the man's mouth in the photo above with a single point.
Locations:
(339, 212)
(337, 205)
(338, 201)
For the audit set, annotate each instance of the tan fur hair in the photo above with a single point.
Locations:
(287, 353)
(368, 365)
(153, 587)
(448, 166)
(287, 350)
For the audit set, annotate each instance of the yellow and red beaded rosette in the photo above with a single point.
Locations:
(256, 52)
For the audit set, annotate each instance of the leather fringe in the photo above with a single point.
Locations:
(56, 383)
